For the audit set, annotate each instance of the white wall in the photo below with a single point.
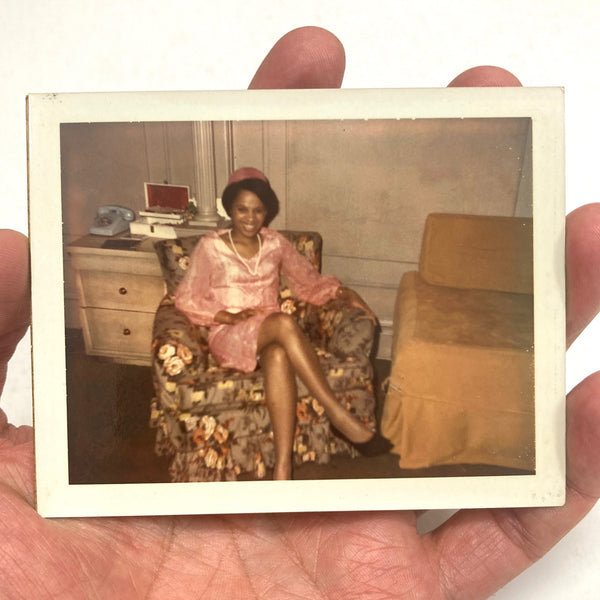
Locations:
(367, 186)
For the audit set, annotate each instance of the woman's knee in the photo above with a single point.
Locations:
(279, 328)
(273, 354)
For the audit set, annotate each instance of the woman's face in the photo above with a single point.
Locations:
(248, 214)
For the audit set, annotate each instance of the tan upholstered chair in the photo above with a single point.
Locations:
(461, 387)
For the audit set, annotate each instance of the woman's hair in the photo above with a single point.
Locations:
(257, 186)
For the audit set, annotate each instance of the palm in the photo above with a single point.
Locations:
(369, 555)
(333, 555)
(150, 556)
(222, 557)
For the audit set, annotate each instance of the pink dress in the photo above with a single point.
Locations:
(218, 280)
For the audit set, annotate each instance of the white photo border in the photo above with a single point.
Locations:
(55, 497)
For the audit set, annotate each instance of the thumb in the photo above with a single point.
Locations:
(14, 295)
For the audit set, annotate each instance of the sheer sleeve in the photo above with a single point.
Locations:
(194, 296)
(306, 281)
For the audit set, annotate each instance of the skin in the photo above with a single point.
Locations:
(369, 555)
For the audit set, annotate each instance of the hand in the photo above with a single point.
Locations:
(229, 318)
(306, 555)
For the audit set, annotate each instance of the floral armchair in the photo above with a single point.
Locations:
(214, 421)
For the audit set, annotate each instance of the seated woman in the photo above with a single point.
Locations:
(232, 287)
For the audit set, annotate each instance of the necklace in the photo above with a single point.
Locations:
(244, 261)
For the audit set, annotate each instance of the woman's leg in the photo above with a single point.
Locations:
(281, 398)
(282, 330)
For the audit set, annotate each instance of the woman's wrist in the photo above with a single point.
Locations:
(224, 317)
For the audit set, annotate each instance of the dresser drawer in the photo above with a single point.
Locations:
(126, 335)
(103, 289)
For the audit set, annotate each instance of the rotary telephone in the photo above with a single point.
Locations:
(111, 220)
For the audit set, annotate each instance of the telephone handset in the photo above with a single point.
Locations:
(110, 220)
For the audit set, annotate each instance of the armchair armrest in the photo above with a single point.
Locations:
(179, 348)
(354, 335)
(342, 331)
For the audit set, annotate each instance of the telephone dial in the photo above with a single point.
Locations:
(111, 220)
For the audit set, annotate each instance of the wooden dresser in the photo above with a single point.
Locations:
(119, 291)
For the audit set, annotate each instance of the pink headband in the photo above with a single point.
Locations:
(246, 173)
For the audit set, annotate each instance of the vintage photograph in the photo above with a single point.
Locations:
(344, 303)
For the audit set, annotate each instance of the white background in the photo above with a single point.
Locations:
(131, 45)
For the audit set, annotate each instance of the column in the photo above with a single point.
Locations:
(204, 175)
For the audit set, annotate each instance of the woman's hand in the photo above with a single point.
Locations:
(229, 318)
(370, 555)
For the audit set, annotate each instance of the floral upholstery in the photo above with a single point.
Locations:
(214, 421)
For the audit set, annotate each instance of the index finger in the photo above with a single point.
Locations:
(308, 57)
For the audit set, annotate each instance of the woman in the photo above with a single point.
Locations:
(232, 287)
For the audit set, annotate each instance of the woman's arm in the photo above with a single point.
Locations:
(193, 297)
(310, 285)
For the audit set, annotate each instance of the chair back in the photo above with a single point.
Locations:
(478, 252)
(174, 254)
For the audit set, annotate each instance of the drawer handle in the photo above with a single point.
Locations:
(126, 331)
(122, 291)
